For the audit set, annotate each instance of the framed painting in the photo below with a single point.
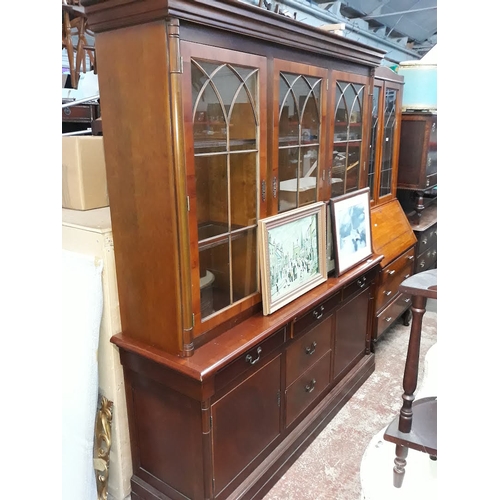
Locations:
(351, 229)
(292, 254)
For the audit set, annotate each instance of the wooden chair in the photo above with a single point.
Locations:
(416, 426)
(74, 22)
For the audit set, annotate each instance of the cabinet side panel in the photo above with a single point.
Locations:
(167, 437)
(410, 153)
(139, 162)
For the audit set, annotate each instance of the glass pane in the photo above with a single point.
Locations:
(214, 277)
(211, 195)
(300, 125)
(338, 170)
(308, 167)
(348, 133)
(388, 142)
(244, 263)
(352, 177)
(288, 174)
(223, 95)
(289, 111)
(243, 188)
(373, 141)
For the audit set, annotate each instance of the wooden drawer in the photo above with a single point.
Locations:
(307, 388)
(426, 239)
(392, 312)
(359, 284)
(307, 349)
(314, 316)
(392, 276)
(252, 357)
(426, 260)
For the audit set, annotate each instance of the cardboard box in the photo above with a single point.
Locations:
(83, 173)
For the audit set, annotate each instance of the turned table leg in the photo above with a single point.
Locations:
(409, 385)
(411, 367)
(399, 465)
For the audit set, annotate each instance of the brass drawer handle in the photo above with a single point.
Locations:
(407, 275)
(249, 358)
(387, 292)
(388, 319)
(317, 314)
(391, 272)
(310, 350)
(411, 257)
(361, 282)
(310, 387)
(407, 300)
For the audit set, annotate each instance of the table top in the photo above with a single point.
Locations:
(423, 284)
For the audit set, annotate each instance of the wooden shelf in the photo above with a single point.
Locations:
(423, 433)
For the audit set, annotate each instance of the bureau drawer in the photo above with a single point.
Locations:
(252, 357)
(307, 388)
(426, 239)
(392, 312)
(426, 260)
(307, 349)
(314, 316)
(392, 276)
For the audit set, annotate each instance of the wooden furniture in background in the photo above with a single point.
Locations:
(417, 182)
(215, 115)
(394, 239)
(417, 171)
(392, 235)
(416, 426)
(74, 22)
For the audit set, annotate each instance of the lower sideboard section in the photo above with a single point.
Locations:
(267, 471)
(226, 423)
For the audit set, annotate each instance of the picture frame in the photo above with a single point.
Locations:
(351, 229)
(292, 254)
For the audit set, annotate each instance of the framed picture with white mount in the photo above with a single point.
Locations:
(351, 229)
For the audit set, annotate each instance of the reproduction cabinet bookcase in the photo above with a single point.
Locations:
(392, 233)
(216, 115)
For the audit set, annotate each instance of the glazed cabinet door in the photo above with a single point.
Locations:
(348, 112)
(299, 122)
(224, 120)
(246, 420)
(384, 141)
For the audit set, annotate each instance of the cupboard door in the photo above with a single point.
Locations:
(225, 131)
(349, 117)
(246, 421)
(384, 141)
(299, 115)
(351, 333)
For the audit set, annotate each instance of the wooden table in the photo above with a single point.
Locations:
(416, 426)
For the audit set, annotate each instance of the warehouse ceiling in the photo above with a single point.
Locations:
(411, 22)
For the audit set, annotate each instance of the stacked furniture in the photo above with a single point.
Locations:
(392, 235)
(216, 115)
(417, 182)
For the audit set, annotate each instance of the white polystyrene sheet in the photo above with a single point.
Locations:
(82, 308)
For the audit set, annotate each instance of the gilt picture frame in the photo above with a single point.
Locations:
(292, 254)
(351, 228)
